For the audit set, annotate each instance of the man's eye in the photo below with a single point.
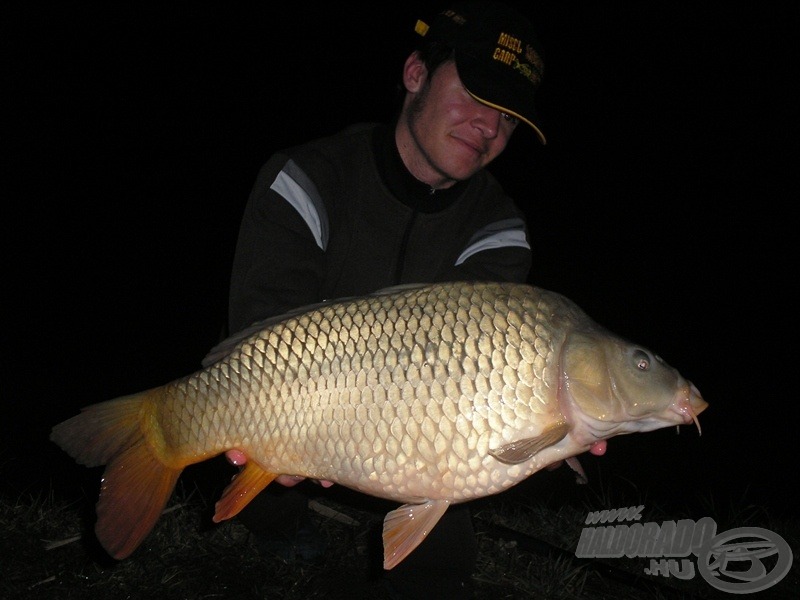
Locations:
(510, 118)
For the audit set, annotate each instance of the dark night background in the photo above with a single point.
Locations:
(662, 203)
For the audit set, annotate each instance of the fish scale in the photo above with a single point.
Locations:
(426, 395)
(418, 371)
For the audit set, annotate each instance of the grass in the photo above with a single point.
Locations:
(527, 539)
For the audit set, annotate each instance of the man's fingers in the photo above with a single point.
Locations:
(238, 458)
(289, 480)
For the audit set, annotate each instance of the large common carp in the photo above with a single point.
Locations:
(428, 395)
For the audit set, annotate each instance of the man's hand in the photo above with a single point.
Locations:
(238, 458)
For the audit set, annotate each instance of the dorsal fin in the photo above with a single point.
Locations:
(226, 346)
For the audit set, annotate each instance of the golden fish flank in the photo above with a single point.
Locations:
(427, 395)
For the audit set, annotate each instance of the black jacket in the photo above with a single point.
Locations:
(341, 216)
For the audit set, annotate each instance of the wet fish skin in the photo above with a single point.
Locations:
(427, 395)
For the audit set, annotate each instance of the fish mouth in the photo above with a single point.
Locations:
(686, 405)
(689, 404)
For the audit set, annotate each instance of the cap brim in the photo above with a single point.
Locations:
(496, 88)
(504, 109)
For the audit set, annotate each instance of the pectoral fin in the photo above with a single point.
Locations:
(244, 487)
(580, 474)
(521, 450)
(404, 529)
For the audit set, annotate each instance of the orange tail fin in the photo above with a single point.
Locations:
(136, 484)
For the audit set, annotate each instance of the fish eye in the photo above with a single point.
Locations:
(642, 360)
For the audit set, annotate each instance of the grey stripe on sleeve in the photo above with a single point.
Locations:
(501, 234)
(299, 191)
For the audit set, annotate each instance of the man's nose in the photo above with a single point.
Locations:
(487, 120)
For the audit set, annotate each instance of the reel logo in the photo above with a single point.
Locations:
(734, 561)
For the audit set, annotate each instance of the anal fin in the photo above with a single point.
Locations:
(406, 527)
(245, 486)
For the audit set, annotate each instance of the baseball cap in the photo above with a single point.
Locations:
(497, 55)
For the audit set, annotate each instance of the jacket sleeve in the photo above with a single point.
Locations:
(497, 264)
(497, 252)
(278, 261)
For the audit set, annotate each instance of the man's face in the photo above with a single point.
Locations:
(456, 134)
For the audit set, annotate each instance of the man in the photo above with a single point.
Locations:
(379, 205)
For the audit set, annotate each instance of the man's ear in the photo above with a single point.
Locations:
(414, 73)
